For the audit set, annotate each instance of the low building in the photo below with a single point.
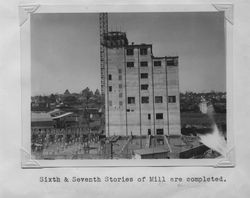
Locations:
(194, 152)
(152, 153)
(64, 120)
(42, 120)
(203, 106)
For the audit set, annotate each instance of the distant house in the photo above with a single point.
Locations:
(55, 112)
(56, 118)
(52, 105)
(193, 152)
(220, 107)
(41, 120)
(94, 113)
(67, 119)
(40, 106)
(203, 106)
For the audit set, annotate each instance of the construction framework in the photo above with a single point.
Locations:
(103, 21)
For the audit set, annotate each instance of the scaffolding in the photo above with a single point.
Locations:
(103, 21)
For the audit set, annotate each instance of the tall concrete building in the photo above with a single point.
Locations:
(141, 90)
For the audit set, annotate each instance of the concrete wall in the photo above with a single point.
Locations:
(126, 119)
(160, 89)
(115, 115)
(138, 122)
(174, 108)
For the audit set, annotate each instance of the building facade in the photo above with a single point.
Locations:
(141, 90)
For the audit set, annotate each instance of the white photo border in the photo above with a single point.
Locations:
(25, 12)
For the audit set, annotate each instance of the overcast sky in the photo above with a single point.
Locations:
(65, 48)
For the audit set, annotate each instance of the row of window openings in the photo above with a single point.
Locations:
(158, 99)
(158, 116)
(143, 51)
(156, 63)
(143, 87)
(145, 99)
(143, 75)
(110, 87)
(119, 77)
(143, 64)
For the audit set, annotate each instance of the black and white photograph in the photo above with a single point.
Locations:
(124, 98)
(128, 85)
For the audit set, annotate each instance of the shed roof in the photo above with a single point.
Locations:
(63, 115)
(40, 117)
(153, 150)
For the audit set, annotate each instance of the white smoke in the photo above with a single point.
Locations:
(215, 141)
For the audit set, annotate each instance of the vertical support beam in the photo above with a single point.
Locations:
(166, 70)
(153, 93)
(139, 86)
(126, 102)
(107, 94)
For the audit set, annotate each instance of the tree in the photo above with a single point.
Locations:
(87, 94)
(52, 98)
(97, 92)
(70, 100)
(98, 99)
(66, 92)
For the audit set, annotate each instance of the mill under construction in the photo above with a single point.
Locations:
(141, 90)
